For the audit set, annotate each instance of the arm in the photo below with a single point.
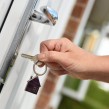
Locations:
(63, 57)
(100, 69)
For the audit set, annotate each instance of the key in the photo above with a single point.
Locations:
(33, 85)
(32, 58)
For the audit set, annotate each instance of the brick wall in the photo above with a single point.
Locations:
(75, 19)
(70, 31)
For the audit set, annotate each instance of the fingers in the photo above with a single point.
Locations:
(62, 45)
(54, 66)
(53, 56)
(50, 56)
(58, 72)
(48, 45)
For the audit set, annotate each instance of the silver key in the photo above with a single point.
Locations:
(36, 63)
(32, 58)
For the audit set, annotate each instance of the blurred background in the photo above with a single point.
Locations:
(88, 27)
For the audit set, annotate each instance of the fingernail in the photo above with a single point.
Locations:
(41, 56)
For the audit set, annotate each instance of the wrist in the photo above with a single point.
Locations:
(90, 67)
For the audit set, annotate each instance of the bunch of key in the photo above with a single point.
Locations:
(33, 84)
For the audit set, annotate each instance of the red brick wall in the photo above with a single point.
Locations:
(70, 31)
(75, 19)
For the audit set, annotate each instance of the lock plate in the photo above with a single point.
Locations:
(21, 30)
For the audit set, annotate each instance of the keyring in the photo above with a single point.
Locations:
(36, 63)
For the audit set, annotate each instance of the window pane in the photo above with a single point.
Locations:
(5, 6)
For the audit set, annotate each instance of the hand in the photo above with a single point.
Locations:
(64, 57)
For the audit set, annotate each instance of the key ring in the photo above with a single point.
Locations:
(36, 63)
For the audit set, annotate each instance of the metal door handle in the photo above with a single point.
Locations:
(48, 16)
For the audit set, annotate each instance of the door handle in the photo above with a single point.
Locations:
(48, 16)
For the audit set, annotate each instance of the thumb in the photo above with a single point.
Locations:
(52, 56)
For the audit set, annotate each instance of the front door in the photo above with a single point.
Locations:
(18, 34)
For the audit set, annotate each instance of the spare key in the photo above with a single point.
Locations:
(33, 84)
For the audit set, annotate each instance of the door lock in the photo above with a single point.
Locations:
(48, 16)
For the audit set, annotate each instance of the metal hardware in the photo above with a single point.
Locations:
(32, 58)
(48, 16)
(36, 64)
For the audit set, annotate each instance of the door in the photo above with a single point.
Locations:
(4, 10)
(21, 35)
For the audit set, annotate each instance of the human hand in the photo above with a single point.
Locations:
(64, 57)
